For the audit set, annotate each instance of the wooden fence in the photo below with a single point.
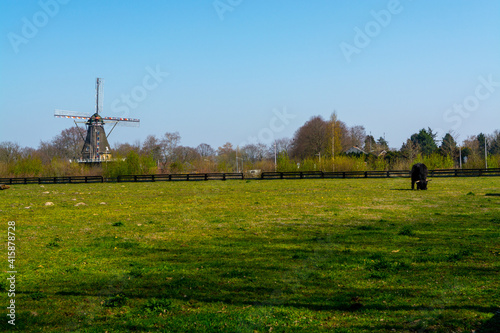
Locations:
(264, 175)
(53, 180)
(179, 177)
(379, 174)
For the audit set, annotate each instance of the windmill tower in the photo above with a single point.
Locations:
(96, 147)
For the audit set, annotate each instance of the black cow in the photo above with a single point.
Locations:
(419, 176)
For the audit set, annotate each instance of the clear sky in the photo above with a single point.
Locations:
(235, 70)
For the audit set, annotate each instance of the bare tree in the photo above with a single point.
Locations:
(205, 150)
(123, 149)
(226, 157)
(254, 152)
(46, 151)
(186, 154)
(69, 143)
(152, 147)
(356, 136)
(283, 145)
(9, 152)
(168, 144)
(310, 139)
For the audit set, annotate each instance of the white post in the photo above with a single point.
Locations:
(485, 154)
(237, 165)
(275, 164)
(460, 149)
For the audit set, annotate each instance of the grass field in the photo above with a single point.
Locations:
(254, 256)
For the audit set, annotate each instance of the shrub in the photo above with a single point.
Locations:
(27, 167)
(284, 164)
(379, 164)
(474, 161)
(493, 161)
(133, 164)
(435, 161)
(347, 163)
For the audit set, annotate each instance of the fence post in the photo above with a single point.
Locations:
(343, 174)
(206, 176)
(223, 176)
(187, 176)
(366, 174)
(281, 175)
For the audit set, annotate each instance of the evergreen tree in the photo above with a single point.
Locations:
(370, 144)
(481, 139)
(425, 139)
(382, 144)
(448, 146)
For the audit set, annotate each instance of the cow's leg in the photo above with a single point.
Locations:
(412, 185)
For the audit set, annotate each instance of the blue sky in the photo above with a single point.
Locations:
(237, 71)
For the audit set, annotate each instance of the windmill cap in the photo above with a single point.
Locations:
(96, 118)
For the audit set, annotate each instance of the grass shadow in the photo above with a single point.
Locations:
(492, 325)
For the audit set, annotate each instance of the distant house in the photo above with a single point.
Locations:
(356, 150)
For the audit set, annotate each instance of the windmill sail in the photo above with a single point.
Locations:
(72, 115)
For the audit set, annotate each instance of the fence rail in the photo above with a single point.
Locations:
(264, 175)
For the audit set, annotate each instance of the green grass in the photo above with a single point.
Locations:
(258, 256)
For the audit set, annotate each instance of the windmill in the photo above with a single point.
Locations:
(96, 148)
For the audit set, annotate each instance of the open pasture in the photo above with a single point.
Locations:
(255, 256)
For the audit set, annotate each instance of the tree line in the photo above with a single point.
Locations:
(319, 144)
